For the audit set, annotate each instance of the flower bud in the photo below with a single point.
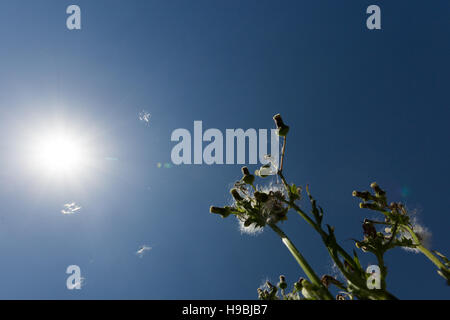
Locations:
(236, 195)
(281, 127)
(247, 178)
(394, 207)
(365, 195)
(278, 120)
(298, 285)
(360, 245)
(371, 206)
(224, 212)
(378, 191)
(327, 280)
(308, 290)
(369, 229)
(283, 131)
(260, 294)
(272, 290)
(282, 284)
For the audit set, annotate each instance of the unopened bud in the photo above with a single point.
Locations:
(365, 195)
(236, 194)
(224, 212)
(378, 191)
(282, 284)
(371, 206)
(281, 127)
(247, 178)
(360, 245)
(369, 229)
(278, 120)
(260, 294)
(327, 280)
(283, 131)
(298, 285)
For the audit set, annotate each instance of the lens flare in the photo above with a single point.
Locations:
(59, 152)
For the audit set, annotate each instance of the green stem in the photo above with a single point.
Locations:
(323, 234)
(379, 294)
(382, 294)
(282, 154)
(302, 262)
(394, 233)
(315, 226)
(383, 270)
(305, 216)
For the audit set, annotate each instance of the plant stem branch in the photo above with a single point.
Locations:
(282, 154)
(383, 270)
(302, 262)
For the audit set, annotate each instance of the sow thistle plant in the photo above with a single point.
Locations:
(257, 207)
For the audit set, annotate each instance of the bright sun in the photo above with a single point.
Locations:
(60, 152)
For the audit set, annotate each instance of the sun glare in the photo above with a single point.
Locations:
(59, 152)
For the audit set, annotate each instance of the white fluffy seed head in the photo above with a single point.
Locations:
(422, 232)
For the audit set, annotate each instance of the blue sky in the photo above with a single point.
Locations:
(363, 106)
